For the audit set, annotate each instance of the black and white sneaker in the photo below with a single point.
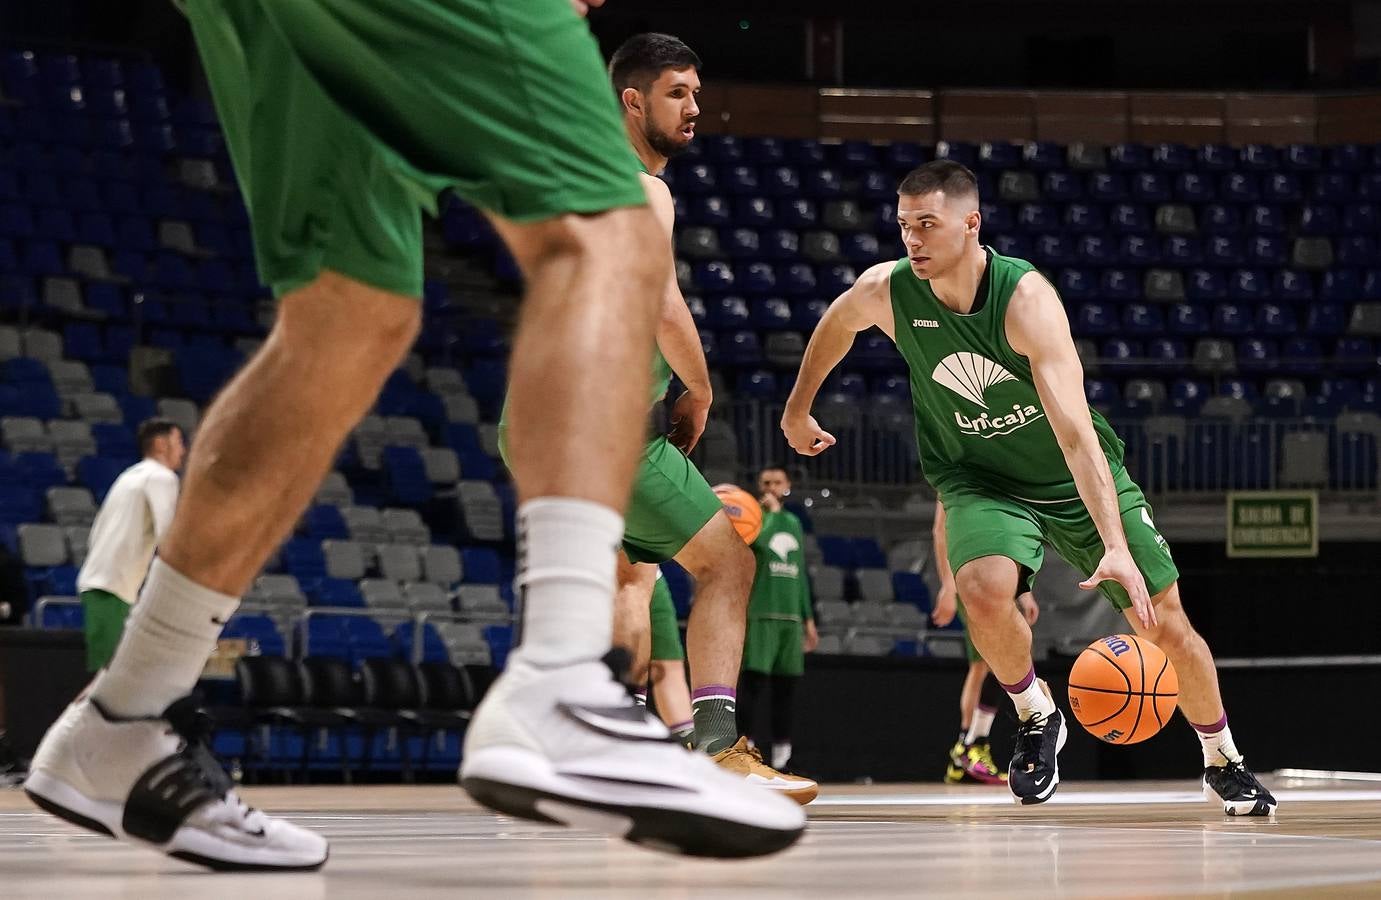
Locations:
(1237, 787)
(153, 781)
(1034, 772)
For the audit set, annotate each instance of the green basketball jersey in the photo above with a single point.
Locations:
(780, 587)
(979, 421)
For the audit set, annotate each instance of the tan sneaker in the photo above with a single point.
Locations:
(746, 761)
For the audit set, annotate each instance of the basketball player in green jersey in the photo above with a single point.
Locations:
(344, 120)
(673, 513)
(1008, 440)
(666, 675)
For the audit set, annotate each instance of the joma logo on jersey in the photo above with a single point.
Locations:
(970, 376)
(924, 323)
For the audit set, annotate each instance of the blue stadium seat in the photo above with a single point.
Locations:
(1301, 356)
(1248, 285)
(1231, 319)
(1218, 218)
(1076, 284)
(1120, 285)
(1239, 187)
(1333, 187)
(1098, 250)
(751, 278)
(1257, 355)
(805, 316)
(1276, 319)
(1172, 157)
(1268, 250)
(723, 148)
(713, 276)
(1259, 157)
(741, 243)
(1357, 250)
(962, 152)
(764, 151)
(1169, 355)
(1100, 392)
(861, 249)
(741, 348)
(783, 181)
(909, 587)
(713, 210)
(797, 278)
(1355, 354)
(1205, 284)
(1360, 218)
(798, 213)
(1195, 188)
(1224, 250)
(1182, 250)
(1151, 187)
(781, 244)
(1061, 187)
(1107, 187)
(324, 522)
(1084, 217)
(1095, 318)
(406, 476)
(1141, 319)
(1188, 319)
(480, 565)
(1282, 187)
(1129, 157)
(1319, 219)
(739, 180)
(729, 312)
(759, 384)
(1055, 250)
(1129, 218)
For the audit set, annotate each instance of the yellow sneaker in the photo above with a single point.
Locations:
(746, 761)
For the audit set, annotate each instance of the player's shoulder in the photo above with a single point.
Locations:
(877, 278)
(655, 186)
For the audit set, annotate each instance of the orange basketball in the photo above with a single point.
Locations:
(1122, 689)
(743, 509)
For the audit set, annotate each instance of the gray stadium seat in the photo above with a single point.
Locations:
(444, 381)
(1176, 218)
(871, 613)
(1304, 459)
(699, 242)
(441, 464)
(821, 247)
(400, 562)
(198, 173)
(875, 585)
(364, 524)
(405, 431)
(1088, 354)
(441, 565)
(1366, 320)
(718, 445)
(905, 618)
(405, 526)
(1212, 356)
(64, 295)
(1018, 187)
(90, 262)
(1164, 285)
(909, 555)
(1166, 426)
(489, 438)
(830, 645)
(381, 593)
(827, 583)
(481, 600)
(42, 545)
(1313, 253)
(843, 215)
(177, 235)
(945, 648)
(78, 540)
(24, 434)
(684, 277)
(1233, 408)
(1145, 390)
(784, 349)
(183, 412)
(1286, 390)
(832, 613)
(868, 645)
(71, 505)
(370, 437)
(1084, 157)
(9, 343)
(461, 408)
(344, 559)
(71, 440)
(70, 377)
(279, 590)
(1360, 423)
(334, 491)
(480, 507)
(40, 343)
(812, 553)
(423, 596)
(96, 408)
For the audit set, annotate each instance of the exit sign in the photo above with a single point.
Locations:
(1273, 523)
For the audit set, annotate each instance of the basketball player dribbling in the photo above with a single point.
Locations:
(345, 119)
(1008, 441)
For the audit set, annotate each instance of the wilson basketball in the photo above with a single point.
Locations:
(1122, 689)
(743, 509)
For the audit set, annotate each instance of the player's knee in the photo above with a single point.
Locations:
(983, 592)
(587, 239)
(342, 319)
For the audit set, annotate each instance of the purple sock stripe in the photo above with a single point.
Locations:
(682, 726)
(1214, 728)
(1020, 685)
(714, 690)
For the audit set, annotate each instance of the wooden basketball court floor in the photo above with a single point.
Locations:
(1103, 839)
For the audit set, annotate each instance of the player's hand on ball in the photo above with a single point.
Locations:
(805, 435)
(688, 417)
(1118, 565)
(1029, 609)
(946, 605)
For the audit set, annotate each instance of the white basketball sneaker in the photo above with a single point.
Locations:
(152, 781)
(568, 745)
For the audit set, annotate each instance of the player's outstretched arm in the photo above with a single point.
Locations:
(866, 303)
(1038, 328)
(679, 339)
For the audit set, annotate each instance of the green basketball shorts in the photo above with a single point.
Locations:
(346, 118)
(774, 647)
(671, 502)
(103, 620)
(666, 631)
(980, 523)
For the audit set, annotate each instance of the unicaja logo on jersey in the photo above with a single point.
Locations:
(783, 544)
(970, 375)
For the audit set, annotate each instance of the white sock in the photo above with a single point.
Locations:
(566, 561)
(781, 753)
(1219, 750)
(640, 698)
(981, 725)
(170, 633)
(1031, 701)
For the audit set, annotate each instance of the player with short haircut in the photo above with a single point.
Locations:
(1017, 456)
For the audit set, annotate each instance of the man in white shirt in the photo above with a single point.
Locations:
(136, 512)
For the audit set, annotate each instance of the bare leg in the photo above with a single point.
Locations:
(1200, 700)
(632, 618)
(968, 695)
(671, 691)
(722, 566)
(996, 626)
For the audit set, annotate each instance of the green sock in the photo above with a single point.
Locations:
(716, 724)
(684, 733)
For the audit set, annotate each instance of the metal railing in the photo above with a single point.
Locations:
(1168, 455)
